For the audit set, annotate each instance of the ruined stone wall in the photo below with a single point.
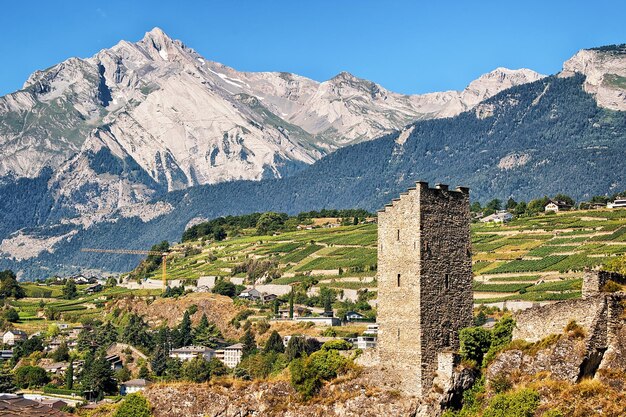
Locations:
(424, 282)
(537, 323)
(593, 281)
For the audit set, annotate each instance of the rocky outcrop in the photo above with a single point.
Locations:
(562, 361)
(240, 399)
(157, 311)
(605, 71)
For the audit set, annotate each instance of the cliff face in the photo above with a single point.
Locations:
(342, 399)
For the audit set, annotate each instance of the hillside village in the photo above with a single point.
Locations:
(243, 304)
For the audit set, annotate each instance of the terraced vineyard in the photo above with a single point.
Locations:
(510, 262)
(44, 301)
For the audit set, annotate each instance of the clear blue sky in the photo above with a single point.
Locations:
(407, 46)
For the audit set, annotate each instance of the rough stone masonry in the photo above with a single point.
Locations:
(424, 282)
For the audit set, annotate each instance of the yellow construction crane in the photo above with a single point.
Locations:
(163, 256)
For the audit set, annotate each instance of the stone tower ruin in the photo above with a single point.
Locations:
(424, 282)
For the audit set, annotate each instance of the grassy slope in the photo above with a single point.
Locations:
(521, 253)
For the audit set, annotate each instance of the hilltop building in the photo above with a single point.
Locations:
(424, 283)
(557, 205)
(11, 337)
(190, 352)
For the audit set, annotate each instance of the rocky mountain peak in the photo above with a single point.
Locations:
(491, 83)
(605, 72)
(156, 42)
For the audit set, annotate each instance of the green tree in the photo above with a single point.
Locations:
(173, 369)
(520, 209)
(107, 334)
(276, 307)
(61, 353)
(274, 343)
(144, 373)
(226, 288)
(475, 207)
(296, 348)
(565, 198)
(291, 304)
(9, 287)
(134, 405)
(501, 335)
(159, 360)
(69, 376)
(219, 234)
(26, 347)
(327, 297)
(69, 290)
(185, 336)
(494, 205)
(270, 222)
(196, 370)
(206, 334)
(475, 342)
(31, 377)
(248, 342)
(136, 332)
(6, 380)
(97, 377)
(308, 373)
(537, 205)
(511, 204)
(11, 315)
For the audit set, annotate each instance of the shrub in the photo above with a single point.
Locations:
(574, 330)
(521, 403)
(339, 344)
(611, 286)
(134, 405)
(307, 374)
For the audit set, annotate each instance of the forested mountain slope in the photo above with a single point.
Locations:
(540, 138)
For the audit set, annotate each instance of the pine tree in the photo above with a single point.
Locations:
(69, 376)
(6, 380)
(249, 343)
(185, 338)
(276, 308)
(291, 304)
(98, 377)
(144, 373)
(159, 361)
(274, 343)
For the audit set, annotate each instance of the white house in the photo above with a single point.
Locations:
(232, 355)
(618, 203)
(134, 385)
(354, 316)
(189, 352)
(365, 342)
(499, 217)
(10, 337)
(556, 206)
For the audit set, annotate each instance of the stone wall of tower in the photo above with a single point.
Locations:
(424, 282)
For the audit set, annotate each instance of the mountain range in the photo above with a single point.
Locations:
(129, 146)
